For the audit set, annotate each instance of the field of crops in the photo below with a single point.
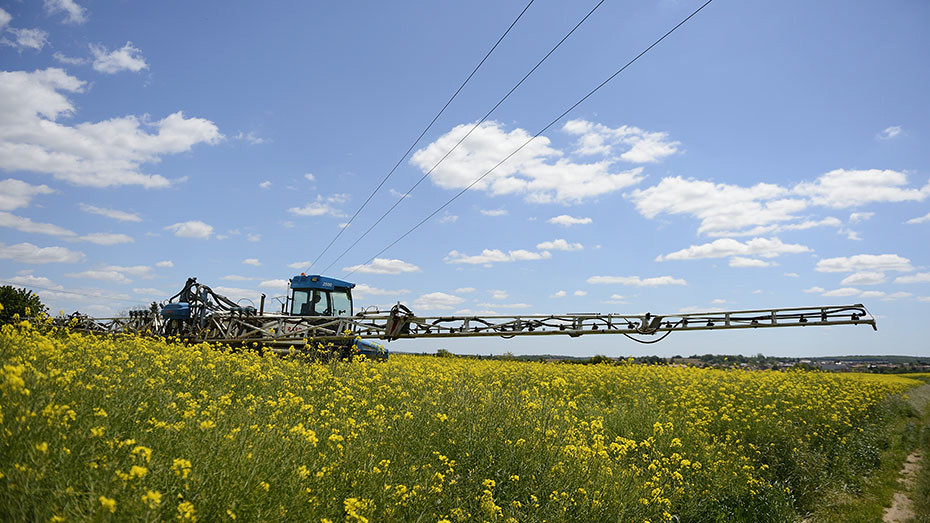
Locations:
(131, 428)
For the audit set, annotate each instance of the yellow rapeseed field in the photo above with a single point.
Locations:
(130, 428)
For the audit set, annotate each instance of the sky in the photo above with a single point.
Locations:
(765, 154)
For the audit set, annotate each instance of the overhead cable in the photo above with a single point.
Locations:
(544, 129)
(414, 144)
(463, 138)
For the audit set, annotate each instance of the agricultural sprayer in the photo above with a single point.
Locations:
(319, 312)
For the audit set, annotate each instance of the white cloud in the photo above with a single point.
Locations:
(865, 262)
(111, 213)
(872, 294)
(499, 295)
(764, 247)
(475, 312)
(28, 226)
(792, 275)
(840, 188)
(105, 238)
(383, 266)
(128, 58)
(310, 177)
(437, 301)
(322, 207)
(580, 293)
(299, 265)
(29, 253)
(251, 137)
(5, 18)
(559, 294)
(920, 277)
(74, 14)
(277, 284)
(890, 132)
(143, 271)
(489, 256)
(721, 208)
(559, 245)
(636, 281)
(853, 235)
(16, 193)
(25, 38)
(741, 262)
(265, 184)
(857, 217)
(864, 278)
(567, 221)
(449, 218)
(253, 237)
(814, 290)
(641, 146)
(236, 294)
(165, 263)
(506, 305)
(252, 261)
(236, 277)
(464, 290)
(149, 291)
(363, 290)
(732, 210)
(538, 171)
(922, 219)
(925, 299)
(897, 296)
(494, 212)
(96, 154)
(845, 291)
(104, 275)
(70, 60)
(191, 229)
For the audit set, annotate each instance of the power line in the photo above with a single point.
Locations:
(475, 126)
(544, 129)
(414, 144)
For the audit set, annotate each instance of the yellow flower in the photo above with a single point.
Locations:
(181, 467)
(137, 471)
(186, 511)
(145, 452)
(152, 498)
(108, 503)
(42, 447)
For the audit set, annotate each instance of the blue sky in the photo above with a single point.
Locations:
(764, 155)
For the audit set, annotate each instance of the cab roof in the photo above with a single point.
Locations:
(315, 281)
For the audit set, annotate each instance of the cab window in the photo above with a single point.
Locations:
(311, 303)
(341, 303)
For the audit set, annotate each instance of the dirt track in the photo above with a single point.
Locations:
(901, 508)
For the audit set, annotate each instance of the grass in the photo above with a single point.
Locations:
(137, 429)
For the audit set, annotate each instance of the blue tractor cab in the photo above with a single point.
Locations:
(317, 295)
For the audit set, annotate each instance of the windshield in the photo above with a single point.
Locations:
(321, 303)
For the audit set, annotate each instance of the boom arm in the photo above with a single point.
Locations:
(400, 323)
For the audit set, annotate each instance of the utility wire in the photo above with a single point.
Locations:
(544, 129)
(414, 144)
(475, 126)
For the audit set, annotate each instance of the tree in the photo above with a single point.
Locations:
(19, 301)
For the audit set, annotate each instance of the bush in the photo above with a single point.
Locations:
(19, 301)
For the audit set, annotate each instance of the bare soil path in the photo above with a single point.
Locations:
(902, 508)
